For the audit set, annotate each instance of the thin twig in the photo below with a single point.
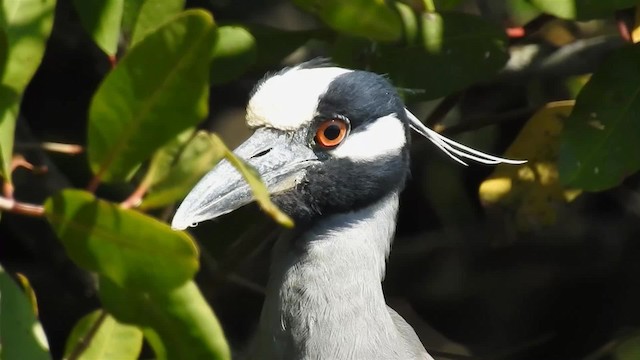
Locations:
(85, 341)
(135, 198)
(70, 149)
(10, 205)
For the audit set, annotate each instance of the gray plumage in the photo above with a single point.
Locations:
(324, 297)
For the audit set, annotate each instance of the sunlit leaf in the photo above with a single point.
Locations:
(179, 324)
(600, 145)
(373, 19)
(21, 335)
(176, 168)
(102, 19)
(128, 247)
(233, 53)
(258, 188)
(143, 104)
(151, 14)
(26, 25)
(582, 9)
(532, 192)
(112, 340)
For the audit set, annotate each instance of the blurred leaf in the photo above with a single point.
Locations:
(179, 324)
(582, 9)
(445, 5)
(175, 169)
(156, 91)
(452, 51)
(9, 107)
(4, 51)
(128, 247)
(628, 348)
(102, 19)
(373, 19)
(151, 14)
(28, 292)
(26, 25)
(251, 176)
(600, 145)
(532, 191)
(233, 53)
(21, 335)
(112, 341)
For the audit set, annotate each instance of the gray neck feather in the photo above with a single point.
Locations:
(324, 298)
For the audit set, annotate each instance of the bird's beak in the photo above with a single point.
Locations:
(280, 161)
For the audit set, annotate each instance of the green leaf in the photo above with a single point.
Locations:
(373, 19)
(627, 348)
(233, 53)
(452, 51)
(600, 147)
(21, 335)
(151, 14)
(26, 25)
(128, 247)
(176, 168)
(157, 90)
(179, 324)
(252, 177)
(111, 341)
(102, 19)
(582, 9)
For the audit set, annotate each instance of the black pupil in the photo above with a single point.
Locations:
(332, 132)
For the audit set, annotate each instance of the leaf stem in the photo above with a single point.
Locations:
(135, 198)
(10, 205)
(71, 149)
(84, 342)
(429, 6)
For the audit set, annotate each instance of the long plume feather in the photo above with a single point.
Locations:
(455, 150)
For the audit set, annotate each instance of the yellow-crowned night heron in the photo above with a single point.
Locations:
(332, 146)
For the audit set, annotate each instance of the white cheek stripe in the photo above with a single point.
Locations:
(385, 136)
(289, 100)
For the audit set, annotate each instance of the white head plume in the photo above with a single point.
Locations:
(455, 150)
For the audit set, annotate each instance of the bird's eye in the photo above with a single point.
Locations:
(331, 133)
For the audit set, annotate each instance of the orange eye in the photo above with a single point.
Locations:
(331, 133)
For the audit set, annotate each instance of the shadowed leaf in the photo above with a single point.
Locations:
(26, 25)
(233, 53)
(373, 19)
(582, 9)
(21, 335)
(176, 168)
(102, 19)
(600, 145)
(532, 191)
(150, 15)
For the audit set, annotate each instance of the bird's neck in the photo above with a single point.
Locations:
(327, 281)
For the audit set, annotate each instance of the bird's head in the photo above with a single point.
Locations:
(326, 140)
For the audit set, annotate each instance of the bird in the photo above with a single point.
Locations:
(331, 145)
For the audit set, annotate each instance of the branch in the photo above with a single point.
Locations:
(15, 207)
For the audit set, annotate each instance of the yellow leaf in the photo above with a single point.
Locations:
(532, 191)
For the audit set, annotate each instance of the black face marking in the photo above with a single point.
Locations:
(362, 97)
(341, 185)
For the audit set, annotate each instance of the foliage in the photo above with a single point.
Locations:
(142, 132)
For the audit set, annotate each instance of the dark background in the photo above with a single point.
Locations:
(471, 284)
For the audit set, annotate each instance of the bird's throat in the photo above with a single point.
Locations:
(328, 279)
